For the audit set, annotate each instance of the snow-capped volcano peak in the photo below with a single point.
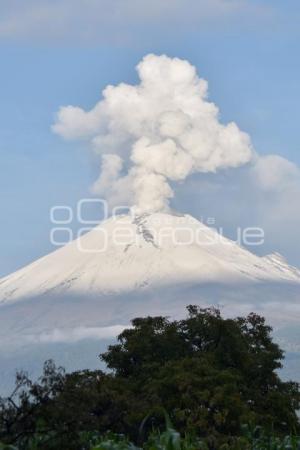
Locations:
(126, 253)
(129, 266)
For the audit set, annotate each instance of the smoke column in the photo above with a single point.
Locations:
(153, 133)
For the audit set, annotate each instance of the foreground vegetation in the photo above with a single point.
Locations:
(212, 375)
(170, 439)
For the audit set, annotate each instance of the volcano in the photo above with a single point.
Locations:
(128, 253)
(70, 303)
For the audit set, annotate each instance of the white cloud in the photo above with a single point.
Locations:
(110, 172)
(71, 335)
(264, 194)
(275, 173)
(160, 130)
(275, 181)
(92, 21)
(278, 184)
(117, 189)
(73, 122)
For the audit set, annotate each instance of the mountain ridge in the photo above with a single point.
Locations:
(125, 253)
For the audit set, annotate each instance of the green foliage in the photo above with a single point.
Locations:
(114, 442)
(211, 374)
(252, 439)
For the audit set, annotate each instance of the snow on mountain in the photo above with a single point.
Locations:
(67, 304)
(125, 254)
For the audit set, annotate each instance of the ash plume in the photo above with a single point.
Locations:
(155, 133)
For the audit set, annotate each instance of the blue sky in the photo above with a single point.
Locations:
(248, 52)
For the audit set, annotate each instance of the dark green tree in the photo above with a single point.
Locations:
(211, 375)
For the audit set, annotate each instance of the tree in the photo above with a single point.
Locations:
(210, 374)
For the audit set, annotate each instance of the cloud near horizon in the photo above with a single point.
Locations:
(72, 335)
